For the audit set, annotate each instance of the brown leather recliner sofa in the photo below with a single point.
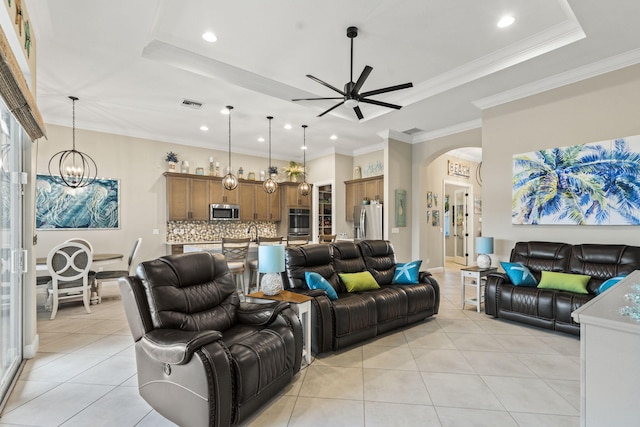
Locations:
(203, 357)
(357, 316)
(549, 308)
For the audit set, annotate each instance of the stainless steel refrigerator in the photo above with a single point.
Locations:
(367, 222)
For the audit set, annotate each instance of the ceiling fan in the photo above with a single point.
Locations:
(351, 95)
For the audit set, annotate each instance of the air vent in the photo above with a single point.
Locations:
(191, 104)
(412, 131)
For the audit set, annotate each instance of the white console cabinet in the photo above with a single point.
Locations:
(609, 359)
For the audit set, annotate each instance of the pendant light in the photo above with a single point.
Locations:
(75, 168)
(269, 185)
(230, 181)
(304, 188)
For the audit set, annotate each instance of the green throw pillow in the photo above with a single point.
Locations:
(576, 283)
(356, 282)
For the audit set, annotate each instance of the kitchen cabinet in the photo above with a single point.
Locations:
(219, 194)
(187, 198)
(256, 204)
(356, 190)
(292, 198)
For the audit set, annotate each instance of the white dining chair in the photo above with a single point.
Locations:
(68, 264)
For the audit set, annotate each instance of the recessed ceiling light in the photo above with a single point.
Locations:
(224, 111)
(505, 21)
(209, 36)
(261, 139)
(287, 126)
(204, 128)
(333, 137)
(304, 147)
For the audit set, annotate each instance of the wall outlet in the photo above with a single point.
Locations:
(395, 230)
(155, 231)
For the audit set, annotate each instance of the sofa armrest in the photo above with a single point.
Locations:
(491, 291)
(427, 277)
(174, 346)
(262, 314)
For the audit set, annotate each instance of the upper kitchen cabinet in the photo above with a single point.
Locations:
(292, 198)
(187, 197)
(256, 204)
(219, 194)
(357, 190)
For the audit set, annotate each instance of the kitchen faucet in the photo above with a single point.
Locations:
(249, 231)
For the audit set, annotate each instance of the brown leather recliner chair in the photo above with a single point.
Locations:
(203, 357)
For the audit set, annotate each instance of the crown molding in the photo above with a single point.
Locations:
(368, 149)
(394, 134)
(595, 69)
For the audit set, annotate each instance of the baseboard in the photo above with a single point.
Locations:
(29, 351)
(436, 270)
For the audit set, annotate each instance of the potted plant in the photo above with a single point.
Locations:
(294, 170)
(172, 161)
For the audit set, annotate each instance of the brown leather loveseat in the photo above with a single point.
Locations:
(203, 357)
(357, 316)
(549, 308)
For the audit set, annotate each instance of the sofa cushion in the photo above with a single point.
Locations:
(519, 274)
(407, 273)
(608, 284)
(576, 283)
(316, 281)
(316, 258)
(380, 259)
(539, 256)
(603, 262)
(357, 282)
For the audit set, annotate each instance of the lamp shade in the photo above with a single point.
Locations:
(484, 245)
(271, 258)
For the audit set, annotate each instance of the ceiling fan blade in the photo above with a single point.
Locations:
(332, 108)
(380, 103)
(387, 89)
(315, 79)
(365, 73)
(358, 112)
(315, 99)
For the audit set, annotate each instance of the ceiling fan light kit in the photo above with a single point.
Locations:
(351, 96)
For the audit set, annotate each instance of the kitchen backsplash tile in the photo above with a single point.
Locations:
(214, 231)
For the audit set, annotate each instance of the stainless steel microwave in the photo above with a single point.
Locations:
(224, 212)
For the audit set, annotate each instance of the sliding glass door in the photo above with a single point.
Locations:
(12, 256)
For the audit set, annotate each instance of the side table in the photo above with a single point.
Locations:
(301, 304)
(477, 277)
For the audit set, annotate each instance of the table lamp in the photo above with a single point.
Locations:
(484, 247)
(271, 263)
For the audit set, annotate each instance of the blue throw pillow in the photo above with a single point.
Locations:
(608, 283)
(519, 274)
(407, 273)
(316, 281)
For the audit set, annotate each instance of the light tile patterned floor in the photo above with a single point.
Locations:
(460, 368)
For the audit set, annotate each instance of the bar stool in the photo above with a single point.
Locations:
(253, 264)
(327, 238)
(236, 251)
(293, 240)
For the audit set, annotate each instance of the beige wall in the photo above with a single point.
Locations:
(397, 177)
(370, 160)
(597, 109)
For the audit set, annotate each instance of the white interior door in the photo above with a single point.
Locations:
(460, 229)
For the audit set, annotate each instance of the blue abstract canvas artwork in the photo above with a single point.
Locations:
(96, 206)
(588, 184)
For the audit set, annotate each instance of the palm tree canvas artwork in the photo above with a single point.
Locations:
(588, 184)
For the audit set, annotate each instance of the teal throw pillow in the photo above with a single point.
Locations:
(407, 273)
(356, 282)
(576, 283)
(609, 283)
(316, 281)
(519, 274)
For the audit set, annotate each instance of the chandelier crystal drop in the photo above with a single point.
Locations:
(304, 188)
(75, 169)
(230, 181)
(269, 185)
